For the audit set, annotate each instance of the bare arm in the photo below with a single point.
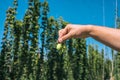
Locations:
(108, 36)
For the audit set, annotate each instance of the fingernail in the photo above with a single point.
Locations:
(60, 40)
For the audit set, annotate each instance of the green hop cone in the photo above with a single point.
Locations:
(59, 46)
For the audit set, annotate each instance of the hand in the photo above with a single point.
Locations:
(74, 31)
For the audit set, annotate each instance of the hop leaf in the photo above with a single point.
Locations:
(11, 25)
(37, 27)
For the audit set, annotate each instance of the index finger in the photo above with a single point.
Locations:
(62, 32)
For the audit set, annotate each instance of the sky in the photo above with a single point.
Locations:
(73, 11)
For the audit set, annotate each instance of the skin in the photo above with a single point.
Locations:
(108, 36)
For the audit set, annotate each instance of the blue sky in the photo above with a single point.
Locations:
(73, 11)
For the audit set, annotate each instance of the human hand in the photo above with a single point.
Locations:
(73, 31)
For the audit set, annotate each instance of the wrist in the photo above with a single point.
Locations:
(90, 30)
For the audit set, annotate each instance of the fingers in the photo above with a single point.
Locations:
(67, 36)
(64, 34)
(61, 32)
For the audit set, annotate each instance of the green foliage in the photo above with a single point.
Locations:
(7, 47)
(99, 67)
(117, 65)
(116, 58)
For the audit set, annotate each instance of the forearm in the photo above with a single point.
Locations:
(108, 36)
